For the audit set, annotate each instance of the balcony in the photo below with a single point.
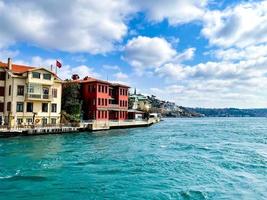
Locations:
(40, 97)
(113, 106)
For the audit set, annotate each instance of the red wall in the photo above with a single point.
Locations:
(96, 101)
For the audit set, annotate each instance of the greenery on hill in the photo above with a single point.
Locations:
(230, 112)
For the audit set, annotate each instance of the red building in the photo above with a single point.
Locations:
(103, 100)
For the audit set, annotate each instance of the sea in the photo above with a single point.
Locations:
(198, 158)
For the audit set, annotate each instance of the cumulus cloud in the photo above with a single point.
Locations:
(5, 53)
(175, 11)
(84, 25)
(242, 25)
(120, 76)
(150, 53)
(65, 72)
(73, 25)
(250, 52)
(81, 70)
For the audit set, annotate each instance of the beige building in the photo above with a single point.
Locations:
(29, 95)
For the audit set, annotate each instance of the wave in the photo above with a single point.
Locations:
(18, 177)
(192, 194)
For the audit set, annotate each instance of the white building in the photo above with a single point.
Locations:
(29, 95)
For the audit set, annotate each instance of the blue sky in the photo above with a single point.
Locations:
(196, 53)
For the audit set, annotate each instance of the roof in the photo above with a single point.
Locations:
(91, 80)
(24, 68)
(18, 68)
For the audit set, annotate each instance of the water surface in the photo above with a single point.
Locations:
(209, 158)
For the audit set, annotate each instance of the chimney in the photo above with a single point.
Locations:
(9, 63)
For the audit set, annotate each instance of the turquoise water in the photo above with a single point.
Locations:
(209, 158)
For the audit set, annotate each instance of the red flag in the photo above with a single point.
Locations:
(58, 64)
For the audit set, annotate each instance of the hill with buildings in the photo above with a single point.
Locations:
(152, 104)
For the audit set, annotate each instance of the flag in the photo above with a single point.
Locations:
(58, 64)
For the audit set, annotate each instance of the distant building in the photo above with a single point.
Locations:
(28, 95)
(139, 102)
(103, 100)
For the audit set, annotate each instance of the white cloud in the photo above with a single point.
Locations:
(150, 53)
(73, 25)
(217, 84)
(5, 53)
(111, 67)
(120, 76)
(65, 72)
(82, 70)
(242, 25)
(250, 52)
(175, 11)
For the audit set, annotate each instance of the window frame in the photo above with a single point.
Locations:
(19, 89)
(44, 110)
(28, 103)
(47, 74)
(39, 77)
(20, 106)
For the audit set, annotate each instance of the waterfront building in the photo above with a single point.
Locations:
(103, 100)
(139, 102)
(29, 95)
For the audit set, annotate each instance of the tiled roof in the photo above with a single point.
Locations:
(17, 68)
(90, 79)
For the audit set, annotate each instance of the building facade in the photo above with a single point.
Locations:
(103, 100)
(29, 95)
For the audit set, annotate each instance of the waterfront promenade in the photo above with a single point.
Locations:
(92, 125)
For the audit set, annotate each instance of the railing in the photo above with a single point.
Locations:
(31, 126)
(39, 96)
(113, 106)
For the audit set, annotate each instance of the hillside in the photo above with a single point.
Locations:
(230, 112)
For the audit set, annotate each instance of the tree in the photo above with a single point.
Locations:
(71, 101)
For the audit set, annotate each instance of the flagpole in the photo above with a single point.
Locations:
(51, 68)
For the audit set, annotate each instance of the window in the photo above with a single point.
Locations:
(29, 107)
(2, 76)
(54, 107)
(99, 88)
(36, 75)
(103, 102)
(2, 91)
(45, 93)
(9, 90)
(44, 121)
(8, 108)
(47, 76)
(1, 107)
(20, 90)
(54, 93)
(30, 88)
(19, 121)
(29, 121)
(98, 101)
(20, 106)
(44, 107)
(53, 120)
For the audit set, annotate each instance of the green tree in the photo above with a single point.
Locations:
(71, 101)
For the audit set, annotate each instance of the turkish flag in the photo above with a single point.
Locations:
(58, 64)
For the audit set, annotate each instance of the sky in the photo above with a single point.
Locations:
(196, 53)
